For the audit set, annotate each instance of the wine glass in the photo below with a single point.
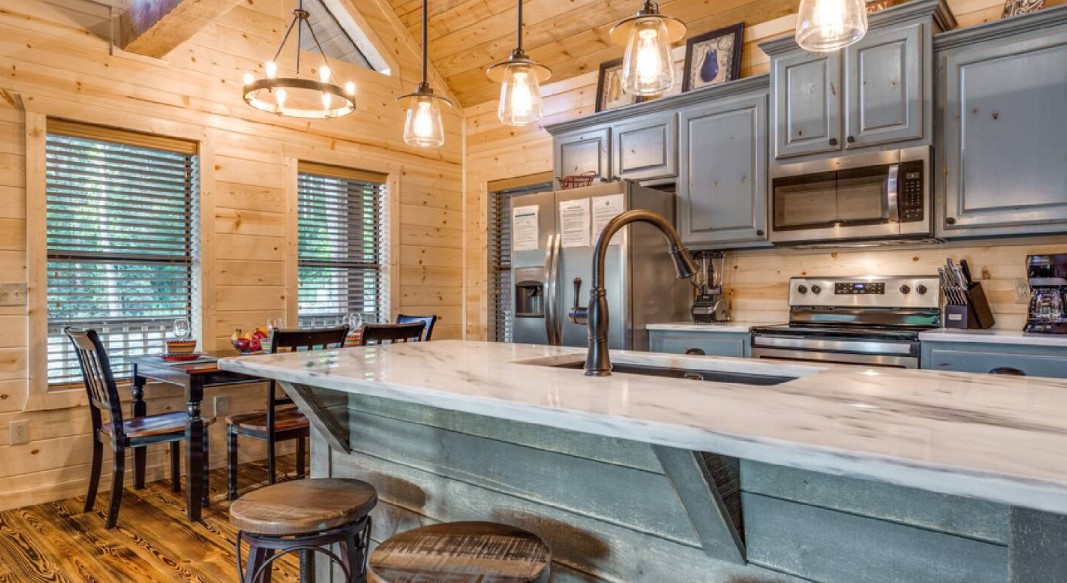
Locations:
(274, 324)
(182, 328)
(355, 321)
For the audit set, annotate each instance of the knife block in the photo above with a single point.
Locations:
(976, 315)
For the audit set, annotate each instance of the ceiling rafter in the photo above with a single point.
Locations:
(156, 27)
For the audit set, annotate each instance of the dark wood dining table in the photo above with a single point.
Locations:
(193, 376)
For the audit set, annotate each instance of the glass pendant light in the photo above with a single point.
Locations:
(423, 127)
(520, 84)
(828, 25)
(647, 66)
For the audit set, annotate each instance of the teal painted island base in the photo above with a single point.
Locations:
(610, 512)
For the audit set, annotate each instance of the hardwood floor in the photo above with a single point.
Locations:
(153, 542)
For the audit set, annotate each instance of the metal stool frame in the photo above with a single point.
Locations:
(261, 556)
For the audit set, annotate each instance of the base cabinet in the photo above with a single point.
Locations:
(733, 344)
(1037, 361)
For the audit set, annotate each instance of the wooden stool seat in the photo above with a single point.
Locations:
(462, 552)
(303, 506)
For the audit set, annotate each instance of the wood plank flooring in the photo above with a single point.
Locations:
(153, 542)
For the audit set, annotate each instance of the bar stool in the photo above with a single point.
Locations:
(462, 552)
(306, 517)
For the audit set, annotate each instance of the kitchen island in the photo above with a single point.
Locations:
(837, 474)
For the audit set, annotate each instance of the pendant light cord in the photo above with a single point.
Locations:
(518, 30)
(424, 43)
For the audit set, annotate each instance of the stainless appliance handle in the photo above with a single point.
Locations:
(892, 193)
(836, 358)
(853, 346)
(552, 322)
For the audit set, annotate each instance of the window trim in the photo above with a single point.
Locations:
(38, 119)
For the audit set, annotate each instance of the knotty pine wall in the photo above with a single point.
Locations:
(51, 66)
(756, 279)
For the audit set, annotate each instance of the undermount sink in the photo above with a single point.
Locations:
(715, 376)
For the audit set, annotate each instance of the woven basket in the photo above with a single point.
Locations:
(577, 180)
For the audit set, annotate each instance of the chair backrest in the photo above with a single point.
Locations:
(391, 333)
(429, 320)
(301, 339)
(99, 380)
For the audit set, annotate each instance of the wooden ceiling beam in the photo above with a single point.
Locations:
(156, 27)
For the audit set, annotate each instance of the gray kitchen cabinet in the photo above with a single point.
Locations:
(806, 92)
(978, 357)
(884, 87)
(710, 343)
(646, 148)
(1003, 127)
(722, 186)
(583, 151)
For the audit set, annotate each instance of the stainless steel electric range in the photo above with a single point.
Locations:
(867, 320)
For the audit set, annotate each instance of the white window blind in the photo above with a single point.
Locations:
(341, 246)
(120, 227)
(499, 269)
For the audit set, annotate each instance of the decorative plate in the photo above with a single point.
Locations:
(181, 357)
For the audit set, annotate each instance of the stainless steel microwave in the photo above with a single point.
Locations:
(874, 196)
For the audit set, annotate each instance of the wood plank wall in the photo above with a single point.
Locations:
(53, 65)
(756, 279)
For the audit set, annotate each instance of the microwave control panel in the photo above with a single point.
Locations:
(910, 191)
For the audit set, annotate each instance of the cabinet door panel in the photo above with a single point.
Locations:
(722, 191)
(807, 104)
(979, 358)
(1005, 131)
(884, 87)
(713, 344)
(584, 151)
(646, 148)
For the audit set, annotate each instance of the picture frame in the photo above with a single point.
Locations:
(713, 57)
(609, 93)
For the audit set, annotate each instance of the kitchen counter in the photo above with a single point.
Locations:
(982, 436)
(709, 327)
(1015, 337)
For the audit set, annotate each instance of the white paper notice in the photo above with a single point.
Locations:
(524, 228)
(605, 208)
(574, 222)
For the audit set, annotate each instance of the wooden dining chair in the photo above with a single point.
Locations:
(428, 320)
(391, 333)
(280, 421)
(120, 433)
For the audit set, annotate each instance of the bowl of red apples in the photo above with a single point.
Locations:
(249, 342)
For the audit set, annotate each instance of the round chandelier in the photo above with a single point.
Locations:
(297, 96)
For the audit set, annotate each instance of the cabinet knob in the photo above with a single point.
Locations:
(833, 141)
(759, 232)
(851, 139)
(950, 220)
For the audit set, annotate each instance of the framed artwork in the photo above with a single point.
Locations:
(609, 93)
(713, 58)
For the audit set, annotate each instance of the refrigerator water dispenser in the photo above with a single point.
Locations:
(530, 292)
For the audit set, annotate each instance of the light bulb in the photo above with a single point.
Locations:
(350, 88)
(327, 101)
(324, 73)
(249, 78)
(647, 67)
(827, 25)
(271, 69)
(279, 97)
(520, 96)
(423, 126)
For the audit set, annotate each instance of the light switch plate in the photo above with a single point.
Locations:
(1022, 290)
(19, 432)
(13, 294)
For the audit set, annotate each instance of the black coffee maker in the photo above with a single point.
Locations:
(1047, 276)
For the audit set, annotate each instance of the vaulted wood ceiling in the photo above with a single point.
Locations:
(570, 36)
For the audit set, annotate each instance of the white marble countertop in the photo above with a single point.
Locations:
(992, 437)
(709, 327)
(994, 337)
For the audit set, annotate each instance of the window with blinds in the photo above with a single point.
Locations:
(500, 285)
(120, 227)
(341, 245)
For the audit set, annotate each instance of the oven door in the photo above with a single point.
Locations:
(866, 352)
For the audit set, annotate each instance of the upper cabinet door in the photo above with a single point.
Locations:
(807, 104)
(647, 147)
(883, 87)
(1005, 129)
(584, 151)
(722, 186)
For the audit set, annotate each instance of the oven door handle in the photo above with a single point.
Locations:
(877, 360)
(892, 195)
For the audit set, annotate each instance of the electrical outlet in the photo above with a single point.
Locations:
(222, 405)
(20, 431)
(1022, 291)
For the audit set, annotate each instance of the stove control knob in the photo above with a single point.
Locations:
(921, 289)
(803, 289)
(904, 289)
(815, 289)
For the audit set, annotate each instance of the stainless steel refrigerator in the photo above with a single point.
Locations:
(552, 249)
